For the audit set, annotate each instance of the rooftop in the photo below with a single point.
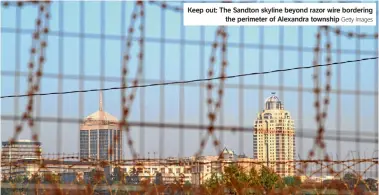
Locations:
(101, 115)
(22, 142)
(272, 98)
(273, 102)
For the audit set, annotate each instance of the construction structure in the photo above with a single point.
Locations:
(274, 137)
(100, 136)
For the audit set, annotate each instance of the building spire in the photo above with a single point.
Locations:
(101, 101)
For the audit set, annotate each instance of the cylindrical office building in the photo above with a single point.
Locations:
(100, 136)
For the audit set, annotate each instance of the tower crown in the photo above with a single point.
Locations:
(100, 116)
(273, 102)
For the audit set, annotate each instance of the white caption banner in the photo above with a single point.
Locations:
(279, 14)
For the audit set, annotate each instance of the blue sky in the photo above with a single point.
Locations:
(171, 49)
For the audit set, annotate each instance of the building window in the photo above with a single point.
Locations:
(84, 144)
(103, 144)
(93, 143)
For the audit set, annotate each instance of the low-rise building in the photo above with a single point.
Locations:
(13, 154)
(171, 170)
(203, 167)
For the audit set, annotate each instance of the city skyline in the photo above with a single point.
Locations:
(108, 117)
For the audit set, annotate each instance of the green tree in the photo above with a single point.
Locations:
(18, 179)
(241, 180)
(292, 181)
(269, 179)
(236, 179)
(253, 177)
(372, 184)
(349, 176)
(214, 182)
(350, 179)
(187, 183)
(235, 175)
(6, 191)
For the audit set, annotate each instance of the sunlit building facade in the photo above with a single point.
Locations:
(204, 166)
(21, 150)
(13, 156)
(100, 136)
(274, 137)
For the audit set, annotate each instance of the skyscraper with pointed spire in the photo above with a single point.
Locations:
(100, 136)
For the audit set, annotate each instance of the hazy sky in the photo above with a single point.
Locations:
(172, 49)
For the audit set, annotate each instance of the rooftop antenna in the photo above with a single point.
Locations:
(101, 101)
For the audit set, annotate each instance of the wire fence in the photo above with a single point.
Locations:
(188, 96)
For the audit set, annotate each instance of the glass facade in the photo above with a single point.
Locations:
(114, 144)
(111, 144)
(103, 143)
(93, 144)
(96, 143)
(97, 136)
(84, 146)
(119, 145)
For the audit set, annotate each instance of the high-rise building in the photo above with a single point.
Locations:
(274, 137)
(100, 136)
